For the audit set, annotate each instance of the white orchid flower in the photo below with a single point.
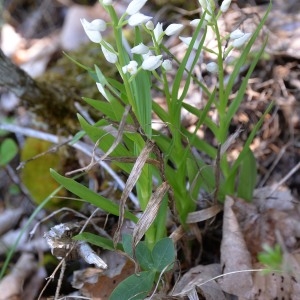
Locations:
(212, 67)
(140, 49)
(138, 19)
(131, 68)
(93, 29)
(149, 25)
(158, 32)
(236, 34)
(135, 6)
(109, 53)
(238, 43)
(173, 29)
(152, 62)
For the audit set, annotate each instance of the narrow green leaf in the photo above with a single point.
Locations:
(163, 254)
(97, 240)
(89, 196)
(247, 176)
(135, 287)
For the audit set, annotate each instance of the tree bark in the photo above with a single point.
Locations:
(54, 103)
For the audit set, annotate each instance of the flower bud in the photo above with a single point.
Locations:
(92, 29)
(158, 32)
(150, 25)
(225, 5)
(236, 34)
(138, 19)
(140, 49)
(173, 29)
(135, 6)
(109, 55)
(152, 62)
(238, 43)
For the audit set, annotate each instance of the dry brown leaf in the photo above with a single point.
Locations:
(200, 280)
(234, 256)
(11, 286)
(150, 213)
(130, 183)
(204, 214)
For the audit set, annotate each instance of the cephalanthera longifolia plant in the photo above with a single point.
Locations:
(164, 168)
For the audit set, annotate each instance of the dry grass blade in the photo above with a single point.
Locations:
(131, 181)
(203, 214)
(150, 213)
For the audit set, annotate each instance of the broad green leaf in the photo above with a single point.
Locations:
(8, 150)
(135, 287)
(247, 176)
(89, 196)
(97, 240)
(143, 256)
(163, 254)
(127, 244)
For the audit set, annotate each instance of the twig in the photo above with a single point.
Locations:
(81, 146)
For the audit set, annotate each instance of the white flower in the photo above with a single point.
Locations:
(138, 19)
(173, 29)
(92, 29)
(140, 49)
(107, 2)
(196, 22)
(238, 43)
(101, 90)
(110, 55)
(135, 6)
(158, 32)
(225, 5)
(212, 67)
(152, 62)
(150, 25)
(236, 34)
(146, 55)
(131, 68)
(167, 65)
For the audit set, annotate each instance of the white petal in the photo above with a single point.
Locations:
(110, 56)
(195, 22)
(107, 2)
(152, 62)
(150, 25)
(98, 24)
(135, 6)
(167, 65)
(236, 34)
(173, 29)
(138, 19)
(131, 68)
(212, 67)
(158, 31)
(186, 40)
(203, 3)
(238, 43)
(225, 5)
(140, 49)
